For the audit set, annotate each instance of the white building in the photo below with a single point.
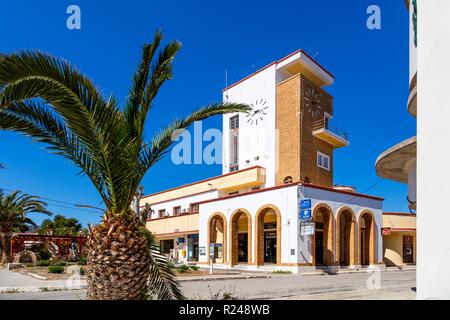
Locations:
(273, 158)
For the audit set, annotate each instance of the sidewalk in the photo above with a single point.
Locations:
(11, 282)
(231, 276)
(14, 282)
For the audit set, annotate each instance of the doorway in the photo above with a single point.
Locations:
(319, 243)
(243, 247)
(270, 247)
(408, 249)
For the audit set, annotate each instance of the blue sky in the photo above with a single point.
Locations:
(370, 66)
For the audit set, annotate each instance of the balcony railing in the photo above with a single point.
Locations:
(323, 124)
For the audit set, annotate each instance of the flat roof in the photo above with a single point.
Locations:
(276, 62)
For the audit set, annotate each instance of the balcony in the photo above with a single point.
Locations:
(333, 135)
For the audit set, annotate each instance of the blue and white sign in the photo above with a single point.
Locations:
(305, 214)
(305, 204)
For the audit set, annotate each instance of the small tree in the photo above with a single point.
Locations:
(14, 209)
(60, 226)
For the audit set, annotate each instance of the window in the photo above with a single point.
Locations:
(193, 207)
(256, 188)
(288, 179)
(176, 210)
(326, 120)
(234, 143)
(166, 246)
(233, 193)
(323, 161)
(161, 213)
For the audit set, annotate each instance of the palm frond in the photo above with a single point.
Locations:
(164, 139)
(162, 281)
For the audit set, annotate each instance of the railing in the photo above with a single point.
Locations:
(323, 124)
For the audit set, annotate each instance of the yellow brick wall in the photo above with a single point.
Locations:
(297, 147)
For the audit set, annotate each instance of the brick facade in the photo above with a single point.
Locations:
(297, 146)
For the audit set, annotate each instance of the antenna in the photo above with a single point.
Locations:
(226, 83)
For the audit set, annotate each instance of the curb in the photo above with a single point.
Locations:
(40, 289)
(223, 278)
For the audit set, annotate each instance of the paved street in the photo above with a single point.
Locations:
(384, 285)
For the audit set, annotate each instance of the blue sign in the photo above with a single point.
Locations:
(305, 204)
(181, 240)
(305, 214)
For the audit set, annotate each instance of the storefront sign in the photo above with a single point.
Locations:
(386, 231)
(181, 240)
(202, 251)
(307, 228)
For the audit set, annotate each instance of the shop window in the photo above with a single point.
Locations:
(166, 246)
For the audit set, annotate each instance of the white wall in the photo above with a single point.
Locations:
(254, 140)
(284, 198)
(357, 204)
(433, 150)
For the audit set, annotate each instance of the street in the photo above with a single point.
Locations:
(383, 285)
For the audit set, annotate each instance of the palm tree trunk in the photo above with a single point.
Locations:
(6, 247)
(118, 261)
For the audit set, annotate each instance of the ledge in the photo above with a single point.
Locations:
(391, 164)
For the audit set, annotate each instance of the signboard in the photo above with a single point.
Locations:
(305, 214)
(181, 240)
(211, 250)
(385, 231)
(305, 204)
(307, 229)
(202, 251)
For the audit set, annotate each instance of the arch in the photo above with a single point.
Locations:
(260, 237)
(234, 236)
(367, 238)
(213, 233)
(326, 257)
(345, 237)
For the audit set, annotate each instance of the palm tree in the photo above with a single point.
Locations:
(50, 100)
(13, 216)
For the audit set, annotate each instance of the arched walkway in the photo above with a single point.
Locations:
(323, 239)
(345, 237)
(268, 235)
(217, 233)
(367, 238)
(241, 237)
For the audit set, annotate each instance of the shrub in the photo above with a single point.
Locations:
(55, 269)
(183, 268)
(43, 263)
(195, 268)
(80, 271)
(282, 271)
(60, 263)
(43, 254)
(81, 262)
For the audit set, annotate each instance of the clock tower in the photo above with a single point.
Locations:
(288, 130)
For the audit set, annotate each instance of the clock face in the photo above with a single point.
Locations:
(258, 112)
(313, 102)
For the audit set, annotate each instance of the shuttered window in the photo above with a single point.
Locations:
(234, 143)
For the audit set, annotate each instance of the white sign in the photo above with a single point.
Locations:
(307, 229)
